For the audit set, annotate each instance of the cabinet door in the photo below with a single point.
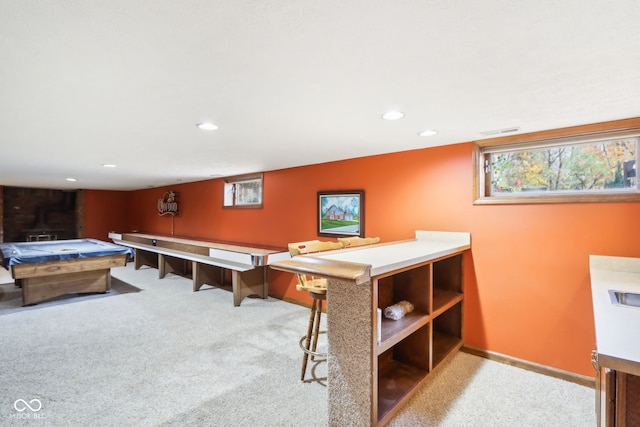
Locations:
(627, 405)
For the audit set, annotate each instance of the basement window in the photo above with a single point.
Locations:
(593, 167)
(243, 191)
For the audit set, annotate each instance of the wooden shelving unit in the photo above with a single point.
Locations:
(369, 381)
(413, 347)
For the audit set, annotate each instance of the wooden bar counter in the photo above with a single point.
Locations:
(370, 379)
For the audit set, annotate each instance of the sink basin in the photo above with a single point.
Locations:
(624, 298)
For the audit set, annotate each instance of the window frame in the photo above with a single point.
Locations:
(238, 180)
(576, 134)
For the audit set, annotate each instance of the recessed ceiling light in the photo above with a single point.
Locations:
(109, 165)
(207, 126)
(393, 115)
(428, 132)
(71, 179)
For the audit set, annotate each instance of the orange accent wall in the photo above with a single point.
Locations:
(105, 211)
(527, 289)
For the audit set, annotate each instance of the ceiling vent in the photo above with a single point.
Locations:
(500, 131)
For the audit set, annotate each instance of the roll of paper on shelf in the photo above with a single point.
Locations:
(398, 310)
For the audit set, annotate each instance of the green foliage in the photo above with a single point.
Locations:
(618, 180)
(590, 166)
(334, 223)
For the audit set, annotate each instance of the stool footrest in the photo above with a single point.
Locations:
(312, 289)
(311, 352)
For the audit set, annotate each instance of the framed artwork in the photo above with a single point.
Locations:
(341, 213)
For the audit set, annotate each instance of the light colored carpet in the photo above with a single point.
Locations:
(475, 392)
(11, 296)
(168, 356)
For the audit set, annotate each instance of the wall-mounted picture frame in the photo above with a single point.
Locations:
(341, 213)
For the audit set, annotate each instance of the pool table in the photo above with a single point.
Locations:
(49, 269)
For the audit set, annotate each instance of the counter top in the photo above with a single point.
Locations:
(360, 263)
(616, 325)
(427, 246)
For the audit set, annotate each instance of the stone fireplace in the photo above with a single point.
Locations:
(31, 214)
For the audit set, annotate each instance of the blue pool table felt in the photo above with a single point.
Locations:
(56, 250)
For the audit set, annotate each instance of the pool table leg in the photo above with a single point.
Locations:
(38, 289)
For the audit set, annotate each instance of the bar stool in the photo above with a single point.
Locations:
(317, 288)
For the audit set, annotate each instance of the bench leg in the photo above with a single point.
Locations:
(143, 257)
(250, 282)
(204, 274)
(169, 264)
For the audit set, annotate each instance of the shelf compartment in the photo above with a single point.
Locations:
(396, 383)
(443, 345)
(447, 274)
(411, 285)
(394, 331)
(443, 300)
(401, 369)
(447, 333)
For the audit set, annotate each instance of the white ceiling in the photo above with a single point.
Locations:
(291, 83)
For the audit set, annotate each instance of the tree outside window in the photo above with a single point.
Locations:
(580, 167)
(587, 163)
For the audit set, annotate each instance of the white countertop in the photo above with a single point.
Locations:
(616, 326)
(383, 258)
